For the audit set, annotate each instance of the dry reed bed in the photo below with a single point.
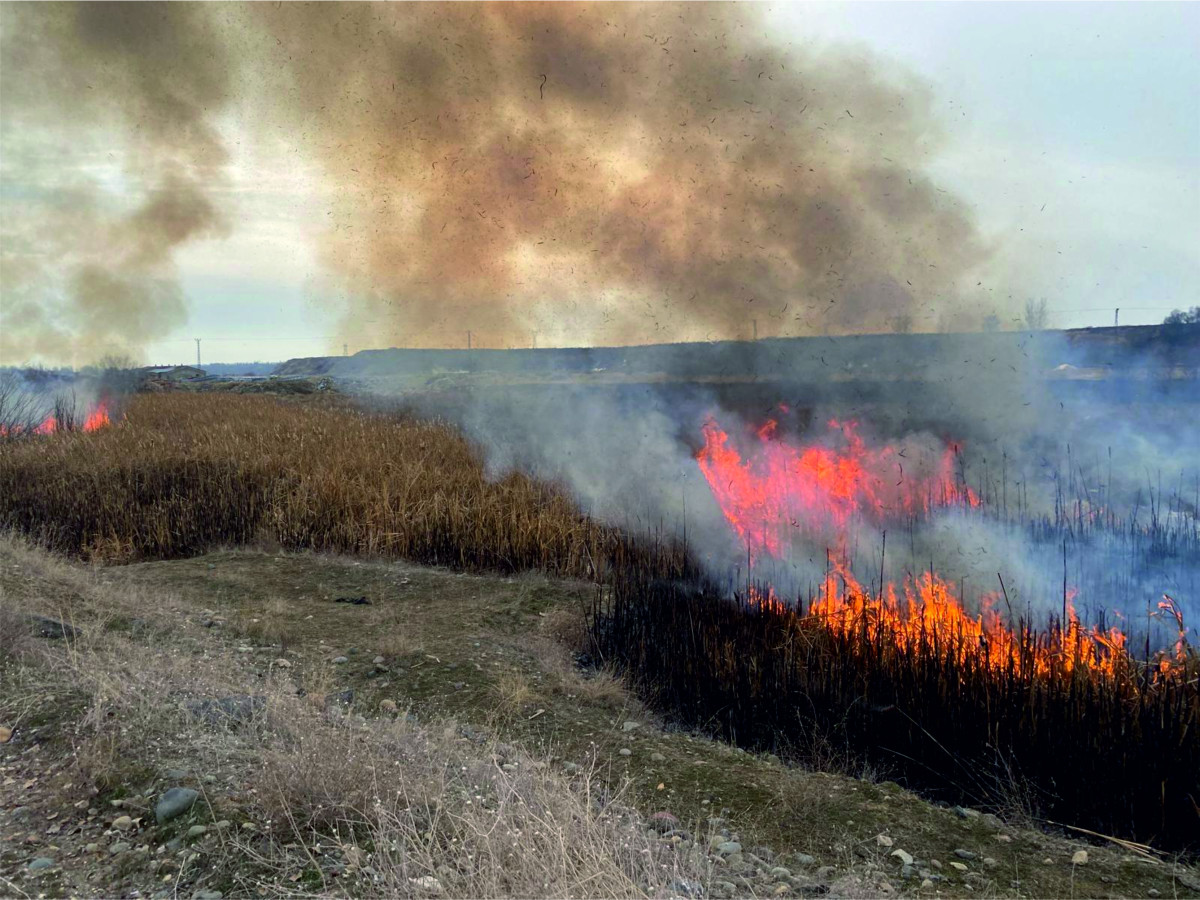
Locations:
(182, 473)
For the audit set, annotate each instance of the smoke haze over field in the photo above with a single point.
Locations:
(85, 272)
(593, 173)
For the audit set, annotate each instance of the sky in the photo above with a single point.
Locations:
(1071, 129)
(1075, 133)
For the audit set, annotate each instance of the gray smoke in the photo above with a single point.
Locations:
(88, 268)
(598, 173)
(1041, 427)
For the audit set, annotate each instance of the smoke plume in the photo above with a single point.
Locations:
(96, 93)
(613, 174)
(588, 173)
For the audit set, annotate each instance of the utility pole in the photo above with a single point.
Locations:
(197, 353)
(1117, 317)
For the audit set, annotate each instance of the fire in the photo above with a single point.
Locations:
(96, 419)
(817, 488)
(926, 613)
(931, 614)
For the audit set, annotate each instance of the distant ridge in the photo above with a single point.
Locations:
(1131, 346)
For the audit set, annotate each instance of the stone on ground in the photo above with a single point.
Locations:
(174, 803)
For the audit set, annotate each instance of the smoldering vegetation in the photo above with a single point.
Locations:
(1081, 447)
(598, 173)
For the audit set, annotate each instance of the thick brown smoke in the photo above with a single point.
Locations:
(589, 173)
(86, 270)
(613, 173)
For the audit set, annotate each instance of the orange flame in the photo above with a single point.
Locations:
(931, 614)
(810, 488)
(926, 613)
(95, 420)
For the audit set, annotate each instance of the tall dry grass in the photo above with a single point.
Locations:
(182, 473)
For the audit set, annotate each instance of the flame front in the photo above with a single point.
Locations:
(816, 490)
(96, 419)
(931, 617)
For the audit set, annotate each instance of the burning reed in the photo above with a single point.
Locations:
(1092, 736)
(1088, 737)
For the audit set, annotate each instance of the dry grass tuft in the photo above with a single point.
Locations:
(512, 691)
(568, 626)
(16, 634)
(397, 643)
(603, 687)
(421, 811)
(270, 626)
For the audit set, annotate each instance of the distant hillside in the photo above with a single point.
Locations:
(886, 355)
(241, 368)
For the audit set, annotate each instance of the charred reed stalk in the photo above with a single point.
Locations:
(1119, 753)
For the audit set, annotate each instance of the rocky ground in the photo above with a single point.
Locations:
(254, 724)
